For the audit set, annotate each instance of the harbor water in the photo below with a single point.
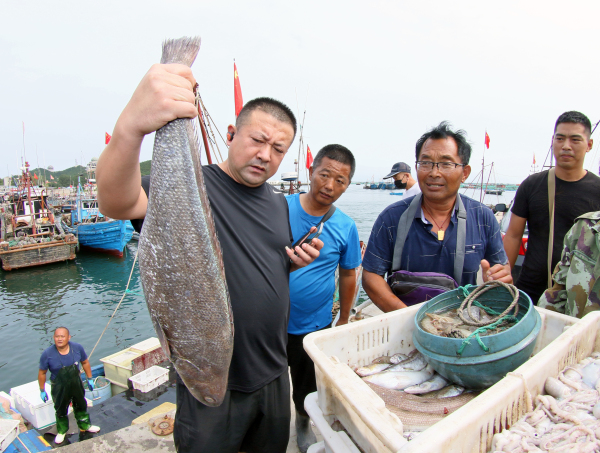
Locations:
(82, 295)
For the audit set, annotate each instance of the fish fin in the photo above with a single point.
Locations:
(162, 338)
(182, 51)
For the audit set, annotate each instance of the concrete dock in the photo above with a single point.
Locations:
(140, 438)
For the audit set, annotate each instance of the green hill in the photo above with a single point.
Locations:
(145, 167)
(69, 175)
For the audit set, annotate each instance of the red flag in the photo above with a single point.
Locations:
(237, 91)
(309, 158)
(35, 176)
(107, 138)
(51, 177)
(533, 158)
(487, 140)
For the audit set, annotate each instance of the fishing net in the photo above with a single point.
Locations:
(417, 413)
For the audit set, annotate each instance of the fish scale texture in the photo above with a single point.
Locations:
(181, 267)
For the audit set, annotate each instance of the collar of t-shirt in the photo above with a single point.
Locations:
(421, 214)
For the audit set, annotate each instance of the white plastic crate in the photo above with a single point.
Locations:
(150, 378)
(343, 396)
(9, 430)
(29, 403)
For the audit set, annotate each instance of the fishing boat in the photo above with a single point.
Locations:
(495, 189)
(30, 235)
(96, 231)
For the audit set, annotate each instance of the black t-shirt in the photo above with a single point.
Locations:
(253, 230)
(572, 199)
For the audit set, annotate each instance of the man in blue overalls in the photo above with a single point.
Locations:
(63, 360)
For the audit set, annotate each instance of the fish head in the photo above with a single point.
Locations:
(207, 387)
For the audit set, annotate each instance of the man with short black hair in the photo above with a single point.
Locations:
(577, 191)
(432, 237)
(403, 179)
(63, 359)
(312, 288)
(251, 221)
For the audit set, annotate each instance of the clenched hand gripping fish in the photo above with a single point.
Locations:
(181, 264)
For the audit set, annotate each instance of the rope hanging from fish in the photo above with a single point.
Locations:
(127, 291)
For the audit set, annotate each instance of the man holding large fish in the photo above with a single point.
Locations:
(214, 247)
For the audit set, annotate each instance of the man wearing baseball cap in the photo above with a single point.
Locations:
(403, 179)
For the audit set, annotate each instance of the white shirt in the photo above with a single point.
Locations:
(412, 191)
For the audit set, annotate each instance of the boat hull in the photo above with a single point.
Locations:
(107, 237)
(38, 255)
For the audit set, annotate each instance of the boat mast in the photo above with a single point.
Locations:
(79, 198)
(27, 177)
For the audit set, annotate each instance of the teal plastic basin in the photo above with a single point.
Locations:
(475, 368)
(101, 390)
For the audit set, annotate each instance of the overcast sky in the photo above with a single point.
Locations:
(372, 76)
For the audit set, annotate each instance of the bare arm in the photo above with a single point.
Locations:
(380, 292)
(513, 238)
(42, 379)
(85, 364)
(347, 286)
(164, 94)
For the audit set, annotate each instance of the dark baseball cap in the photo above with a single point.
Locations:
(399, 167)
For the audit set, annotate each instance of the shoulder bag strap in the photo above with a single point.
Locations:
(328, 215)
(461, 236)
(404, 225)
(551, 194)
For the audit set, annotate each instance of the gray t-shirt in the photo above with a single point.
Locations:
(253, 230)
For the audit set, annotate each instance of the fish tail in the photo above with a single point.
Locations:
(182, 51)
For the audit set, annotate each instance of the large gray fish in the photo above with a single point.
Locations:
(181, 264)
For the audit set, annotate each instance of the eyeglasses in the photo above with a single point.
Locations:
(444, 167)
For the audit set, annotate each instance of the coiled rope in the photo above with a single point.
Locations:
(470, 298)
(492, 323)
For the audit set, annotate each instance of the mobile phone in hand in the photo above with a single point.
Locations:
(308, 237)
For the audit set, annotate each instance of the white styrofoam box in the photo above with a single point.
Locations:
(146, 346)
(343, 396)
(29, 403)
(150, 378)
(9, 430)
(118, 366)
